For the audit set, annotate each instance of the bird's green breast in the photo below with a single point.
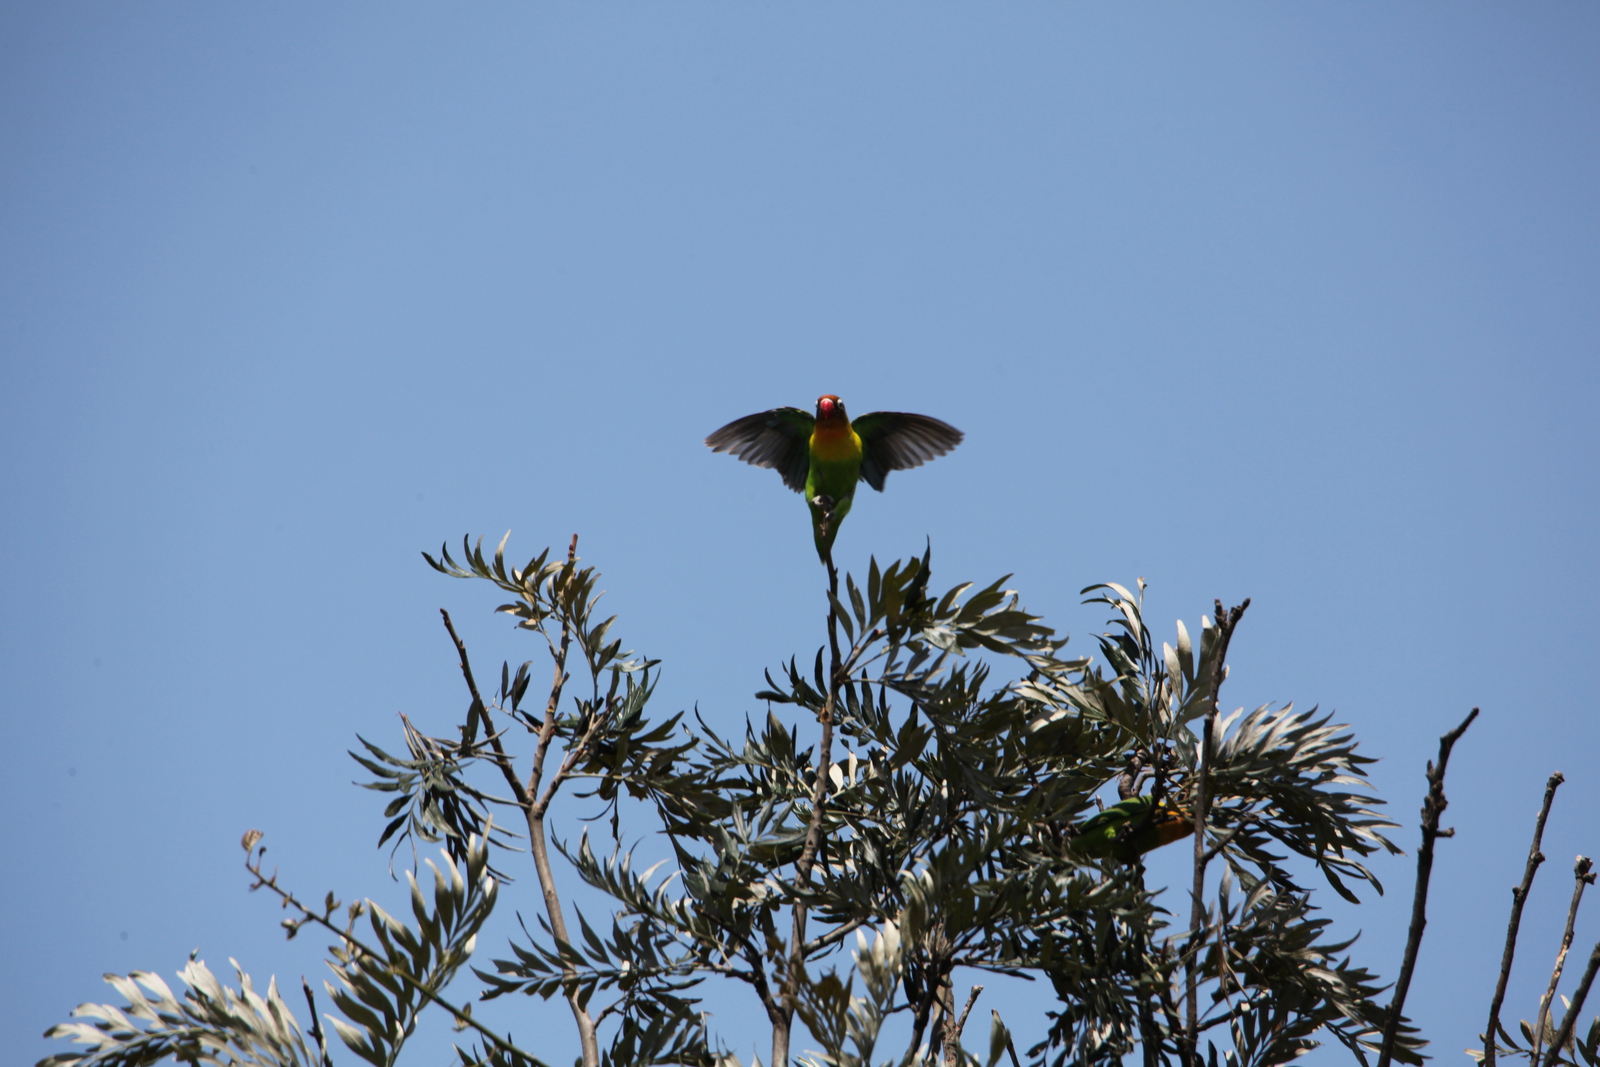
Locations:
(835, 462)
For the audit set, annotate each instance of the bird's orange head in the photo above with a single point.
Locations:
(830, 411)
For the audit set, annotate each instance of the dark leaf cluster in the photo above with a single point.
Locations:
(902, 815)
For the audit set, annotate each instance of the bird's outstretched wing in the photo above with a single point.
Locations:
(897, 441)
(779, 439)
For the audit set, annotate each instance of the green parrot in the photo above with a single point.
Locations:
(1127, 830)
(824, 456)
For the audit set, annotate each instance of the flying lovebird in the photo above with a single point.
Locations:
(823, 456)
(1128, 830)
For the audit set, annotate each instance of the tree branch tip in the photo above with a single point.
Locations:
(961, 1023)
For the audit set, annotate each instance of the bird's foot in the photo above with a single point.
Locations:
(825, 504)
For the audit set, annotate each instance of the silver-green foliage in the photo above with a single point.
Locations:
(972, 747)
(382, 992)
(211, 1024)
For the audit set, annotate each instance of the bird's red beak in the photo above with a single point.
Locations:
(827, 407)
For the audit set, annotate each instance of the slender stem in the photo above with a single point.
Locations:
(1519, 897)
(834, 936)
(1232, 1013)
(578, 752)
(952, 1049)
(1223, 840)
(813, 841)
(479, 708)
(1226, 622)
(316, 1023)
(1433, 806)
(819, 791)
(1578, 997)
(758, 978)
(1582, 878)
(502, 761)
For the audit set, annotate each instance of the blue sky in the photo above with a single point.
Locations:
(1295, 302)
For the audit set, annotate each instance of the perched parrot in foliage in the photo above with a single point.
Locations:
(824, 456)
(1127, 830)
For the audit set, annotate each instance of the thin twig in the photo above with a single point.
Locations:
(1433, 806)
(758, 979)
(1519, 897)
(1582, 878)
(1559, 1045)
(1233, 1012)
(503, 761)
(834, 936)
(1223, 840)
(316, 1023)
(580, 750)
(819, 790)
(1226, 621)
(479, 709)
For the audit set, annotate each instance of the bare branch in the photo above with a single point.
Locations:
(469, 735)
(1565, 1034)
(834, 936)
(501, 759)
(1582, 878)
(1433, 806)
(808, 852)
(316, 1023)
(1519, 897)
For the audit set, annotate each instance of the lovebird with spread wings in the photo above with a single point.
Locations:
(824, 456)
